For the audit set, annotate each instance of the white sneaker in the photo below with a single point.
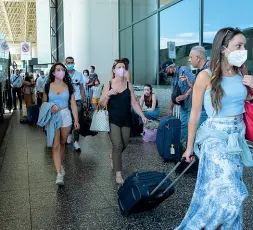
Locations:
(77, 146)
(69, 140)
(62, 172)
(59, 179)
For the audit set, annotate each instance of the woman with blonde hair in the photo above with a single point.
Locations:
(118, 96)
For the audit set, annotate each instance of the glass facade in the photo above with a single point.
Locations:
(149, 32)
(57, 30)
(143, 8)
(243, 21)
(144, 51)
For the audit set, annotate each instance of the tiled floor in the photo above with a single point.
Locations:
(29, 198)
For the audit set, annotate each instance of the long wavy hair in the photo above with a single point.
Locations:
(66, 79)
(116, 62)
(221, 40)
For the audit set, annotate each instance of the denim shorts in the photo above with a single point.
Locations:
(66, 118)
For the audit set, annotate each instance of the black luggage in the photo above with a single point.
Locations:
(33, 113)
(168, 138)
(85, 123)
(136, 127)
(24, 120)
(145, 190)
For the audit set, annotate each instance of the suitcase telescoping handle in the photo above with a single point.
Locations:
(173, 170)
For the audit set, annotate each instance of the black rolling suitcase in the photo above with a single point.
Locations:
(168, 138)
(145, 190)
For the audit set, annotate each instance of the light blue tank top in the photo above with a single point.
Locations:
(61, 100)
(235, 94)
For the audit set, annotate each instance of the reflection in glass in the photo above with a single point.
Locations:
(143, 8)
(165, 2)
(244, 21)
(126, 47)
(125, 13)
(145, 49)
(184, 33)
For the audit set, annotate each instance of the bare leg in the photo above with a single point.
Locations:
(56, 151)
(63, 138)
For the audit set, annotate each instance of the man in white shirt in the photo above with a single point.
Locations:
(77, 81)
(40, 84)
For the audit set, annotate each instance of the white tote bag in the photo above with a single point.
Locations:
(100, 121)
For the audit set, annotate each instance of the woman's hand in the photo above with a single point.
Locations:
(76, 125)
(144, 120)
(112, 92)
(55, 109)
(188, 154)
(248, 80)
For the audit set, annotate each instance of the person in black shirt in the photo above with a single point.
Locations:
(118, 96)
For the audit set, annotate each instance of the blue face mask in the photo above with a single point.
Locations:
(70, 67)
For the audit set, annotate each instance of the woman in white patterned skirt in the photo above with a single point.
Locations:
(220, 144)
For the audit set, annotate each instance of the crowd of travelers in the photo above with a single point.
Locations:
(211, 113)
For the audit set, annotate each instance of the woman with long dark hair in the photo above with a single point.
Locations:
(118, 96)
(149, 99)
(220, 144)
(60, 92)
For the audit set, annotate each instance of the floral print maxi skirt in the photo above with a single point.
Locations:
(219, 192)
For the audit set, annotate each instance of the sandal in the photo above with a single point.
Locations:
(119, 180)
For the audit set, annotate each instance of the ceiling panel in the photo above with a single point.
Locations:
(18, 20)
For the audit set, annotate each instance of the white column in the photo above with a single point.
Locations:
(77, 32)
(104, 36)
(43, 31)
(34, 51)
(91, 34)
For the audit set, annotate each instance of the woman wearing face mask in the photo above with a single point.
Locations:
(149, 99)
(220, 144)
(96, 93)
(86, 80)
(118, 96)
(59, 93)
(28, 85)
(85, 77)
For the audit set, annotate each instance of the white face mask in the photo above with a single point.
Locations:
(237, 57)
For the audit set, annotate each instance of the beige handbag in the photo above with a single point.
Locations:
(100, 120)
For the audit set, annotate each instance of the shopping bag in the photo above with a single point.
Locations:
(100, 120)
(149, 135)
(248, 120)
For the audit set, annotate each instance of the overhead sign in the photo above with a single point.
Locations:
(4, 46)
(171, 50)
(26, 51)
